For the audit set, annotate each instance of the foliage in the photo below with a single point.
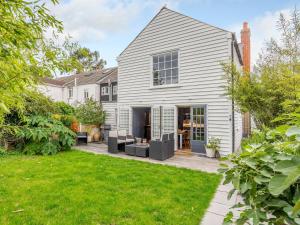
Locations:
(75, 188)
(267, 175)
(67, 120)
(64, 108)
(84, 59)
(45, 136)
(37, 104)
(214, 144)
(24, 54)
(90, 113)
(276, 80)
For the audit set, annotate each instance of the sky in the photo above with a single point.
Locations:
(108, 26)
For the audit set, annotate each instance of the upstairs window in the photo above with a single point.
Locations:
(70, 92)
(115, 90)
(86, 93)
(165, 68)
(104, 90)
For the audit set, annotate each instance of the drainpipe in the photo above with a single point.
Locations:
(232, 101)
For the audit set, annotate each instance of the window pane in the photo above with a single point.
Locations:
(168, 72)
(155, 66)
(174, 55)
(155, 75)
(167, 65)
(168, 57)
(161, 58)
(155, 59)
(174, 63)
(155, 82)
(162, 74)
(168, 77)
(174, 80)
(161, 66)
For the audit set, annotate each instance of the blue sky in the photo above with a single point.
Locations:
(110, 25)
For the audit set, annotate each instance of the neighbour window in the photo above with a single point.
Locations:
(70, 92)
(86, 93)
(115, 90)
(104, 90)
(165, 68)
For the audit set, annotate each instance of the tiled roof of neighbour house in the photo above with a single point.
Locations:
(111, 77)
(91, 77)
(52, 81)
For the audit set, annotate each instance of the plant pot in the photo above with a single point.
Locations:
(96, 136)
(210, 153)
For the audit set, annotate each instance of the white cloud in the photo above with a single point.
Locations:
(262, 29)
(94, 20)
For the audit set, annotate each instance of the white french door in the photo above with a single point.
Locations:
(162, 120)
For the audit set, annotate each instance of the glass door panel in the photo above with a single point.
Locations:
(198, 129)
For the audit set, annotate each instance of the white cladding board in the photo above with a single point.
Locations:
(110, 109)
(201, 48)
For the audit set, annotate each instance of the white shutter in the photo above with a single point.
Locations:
(168, 120)
(124, 119)
(155, 120)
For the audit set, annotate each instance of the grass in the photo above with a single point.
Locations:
(81, 188)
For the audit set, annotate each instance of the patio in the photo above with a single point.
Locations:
(219, 206)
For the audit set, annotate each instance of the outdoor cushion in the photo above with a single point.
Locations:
(113, 133)
(121, 141)
(122, 133)
(130, 140)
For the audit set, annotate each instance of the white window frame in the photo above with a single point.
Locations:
(104, 91)
(178, 70)
(86, 93)
(115, 89)
(70, 92)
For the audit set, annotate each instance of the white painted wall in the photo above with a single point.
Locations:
(78, 93)
(52, 91)
(201, 50)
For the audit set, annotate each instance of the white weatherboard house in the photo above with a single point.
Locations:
(169, 80)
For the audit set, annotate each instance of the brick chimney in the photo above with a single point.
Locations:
(245, 40)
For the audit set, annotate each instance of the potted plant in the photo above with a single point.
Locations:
(213, 147)
(91, 115)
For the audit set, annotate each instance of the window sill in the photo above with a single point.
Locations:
(165, 86)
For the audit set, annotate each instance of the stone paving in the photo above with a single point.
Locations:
(219, 206)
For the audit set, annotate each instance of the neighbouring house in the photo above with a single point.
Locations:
(169, 80)
(76, 88)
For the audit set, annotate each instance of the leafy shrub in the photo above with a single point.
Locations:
(64, 108)
(90, 113)
(45, 136)
(37, 104)
(267, 175)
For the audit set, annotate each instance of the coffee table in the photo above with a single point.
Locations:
(141, 150)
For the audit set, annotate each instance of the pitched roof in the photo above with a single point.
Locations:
(55, 82)
(112, 77)
(84, 78)
(165, 8)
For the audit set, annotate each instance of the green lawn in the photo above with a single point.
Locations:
(81, 188)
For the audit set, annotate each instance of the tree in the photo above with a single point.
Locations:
(84, 59)
(90, 113)
(25, 54)
(274, 86)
